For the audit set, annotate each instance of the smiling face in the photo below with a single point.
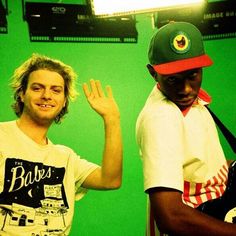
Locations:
(44, 97)
(181, 88)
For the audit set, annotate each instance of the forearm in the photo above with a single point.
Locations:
(112, 155)
(175, 218)
(190, 221)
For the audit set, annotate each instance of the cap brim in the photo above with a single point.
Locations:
(183, 65)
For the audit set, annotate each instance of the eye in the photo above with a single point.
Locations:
(57, 90)
(36, 88)
(193, 76)
(171, 79)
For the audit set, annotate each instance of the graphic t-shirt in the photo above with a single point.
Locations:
(38, 184)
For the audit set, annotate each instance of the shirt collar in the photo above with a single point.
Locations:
(203, 98)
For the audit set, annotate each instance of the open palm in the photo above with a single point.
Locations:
(104, 105)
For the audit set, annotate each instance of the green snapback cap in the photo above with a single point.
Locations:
(177, 47)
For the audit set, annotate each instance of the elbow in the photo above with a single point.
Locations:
(117, 184)
(167, 225)
(163, 223)
(113, 185)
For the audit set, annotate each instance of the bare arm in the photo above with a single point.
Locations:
(109, 176)
(174, 217)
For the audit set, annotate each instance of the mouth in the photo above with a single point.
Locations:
(47, 106)
(185, 101)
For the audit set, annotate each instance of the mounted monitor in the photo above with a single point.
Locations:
(215, 20)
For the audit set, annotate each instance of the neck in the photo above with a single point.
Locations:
(37, 132)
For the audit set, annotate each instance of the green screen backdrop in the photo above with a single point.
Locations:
(123, 66)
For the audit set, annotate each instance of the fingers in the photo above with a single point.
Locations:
(109, 91)
(86, 90)
(92, 91)
(99, 88)
(96, 90)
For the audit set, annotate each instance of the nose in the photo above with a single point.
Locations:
(46, 94)
(186, 88)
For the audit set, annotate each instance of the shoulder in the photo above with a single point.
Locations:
(159, 108)
(63, 152)
(63, 148)
(159, 114)
(7, 126)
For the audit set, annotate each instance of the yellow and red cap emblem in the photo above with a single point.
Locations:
(180, 43)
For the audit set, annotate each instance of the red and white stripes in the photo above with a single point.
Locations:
(197, 193)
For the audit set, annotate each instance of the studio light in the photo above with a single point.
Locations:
(57, 22)
(106, 8)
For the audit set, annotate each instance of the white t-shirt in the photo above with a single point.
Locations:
(179, 151)
(38, 184)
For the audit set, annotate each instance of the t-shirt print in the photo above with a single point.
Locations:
(35, 195)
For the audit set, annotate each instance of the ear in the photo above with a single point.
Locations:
(152, 72)
(21, 95)
(65, 102)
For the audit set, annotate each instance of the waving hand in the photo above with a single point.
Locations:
(102, 104)
(110, 174)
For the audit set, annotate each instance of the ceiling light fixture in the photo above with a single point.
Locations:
(107, 8)
(56, 22)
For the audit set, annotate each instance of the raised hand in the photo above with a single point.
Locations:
(109, 176)
(104, 105)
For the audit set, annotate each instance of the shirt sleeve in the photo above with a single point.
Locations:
(161, 144)
(82, 169)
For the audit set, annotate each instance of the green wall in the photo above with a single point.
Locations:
(123, 66)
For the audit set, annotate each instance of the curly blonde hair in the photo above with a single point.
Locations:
(36, 62)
